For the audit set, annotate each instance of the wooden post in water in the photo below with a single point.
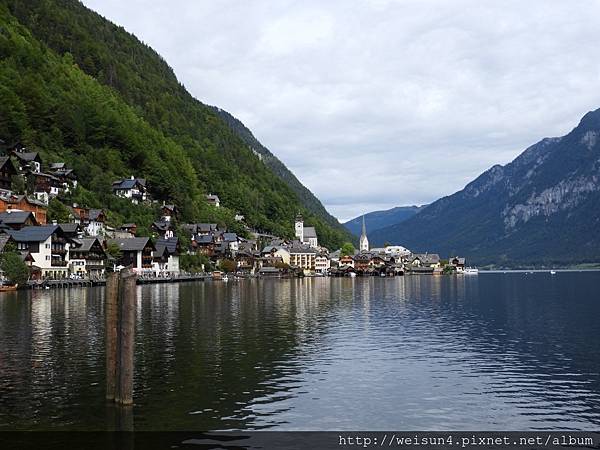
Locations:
(111, 317)
(126, 336)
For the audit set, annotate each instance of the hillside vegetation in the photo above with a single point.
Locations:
(79, 89)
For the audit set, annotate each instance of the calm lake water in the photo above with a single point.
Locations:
(490, 352)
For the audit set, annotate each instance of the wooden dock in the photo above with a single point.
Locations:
(68, 283)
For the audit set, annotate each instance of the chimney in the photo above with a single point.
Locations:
(132, 177)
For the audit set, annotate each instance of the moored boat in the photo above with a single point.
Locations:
(8, 287)
(471, 271)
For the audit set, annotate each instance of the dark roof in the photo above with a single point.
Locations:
(128, 183)
(206, 227)
(85, 244)
(230, 237)
(132, 244)
(170, 245)
(57, 166)
(4, 160)
(427, 258)
(69, 227)
(128, 225)
(206, 239)
(34, 234)
(162, 225)
(301, 249)
(16, 217)
(95, 213)
(212, 197)
(27, 156)
(309, 232)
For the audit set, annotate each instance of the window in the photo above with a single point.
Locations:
(47, 245)
(47, 257)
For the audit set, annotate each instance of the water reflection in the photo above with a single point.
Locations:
(498, 351)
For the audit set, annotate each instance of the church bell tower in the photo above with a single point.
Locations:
(364, 241)
(299, 228)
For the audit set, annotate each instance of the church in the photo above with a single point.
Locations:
(306, 235)
(363, 243)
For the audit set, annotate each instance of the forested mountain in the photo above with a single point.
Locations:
(380, 219)
(79, 89)
(307, 198)
(542, 208)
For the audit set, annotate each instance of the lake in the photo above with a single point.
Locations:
(512, 351)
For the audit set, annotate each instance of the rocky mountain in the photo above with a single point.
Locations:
(381, 219)
(543, 208)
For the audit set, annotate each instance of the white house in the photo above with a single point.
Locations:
(303, 256)
(165, 259)
(322, 263)
(47, 246)
(131, 188)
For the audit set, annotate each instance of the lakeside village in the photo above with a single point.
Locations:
(85, 246)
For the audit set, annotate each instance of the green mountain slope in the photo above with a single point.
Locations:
(78, 88)
(307, 198)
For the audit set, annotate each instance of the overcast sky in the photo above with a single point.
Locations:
(375, 104)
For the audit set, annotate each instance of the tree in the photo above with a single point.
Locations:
(227, 265)
(14, 268)
(347, 249)
(113, 251)
(58, 211)
(18, 184)
(194, 263)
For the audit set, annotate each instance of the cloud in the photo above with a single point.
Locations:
(413, 98)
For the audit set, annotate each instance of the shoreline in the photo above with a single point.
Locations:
(61, 284)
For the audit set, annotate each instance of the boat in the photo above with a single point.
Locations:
(217, 275)
(471, 271)
(553, 272)
(225, 278)
(352, 274)
(8, 287)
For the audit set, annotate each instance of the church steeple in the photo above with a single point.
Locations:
(364, 241)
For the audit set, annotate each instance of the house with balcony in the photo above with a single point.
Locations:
(132, 188)
(87, 258)
(303, 257)
(168, 212)
(65, 175)
(28, 162)
(136, 252)
(11, 202)
(48, 247)
(213, 200)
(45, 186)
(322, 263)
(166, 257)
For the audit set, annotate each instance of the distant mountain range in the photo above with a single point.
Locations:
(542, 208)
(381, 219)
